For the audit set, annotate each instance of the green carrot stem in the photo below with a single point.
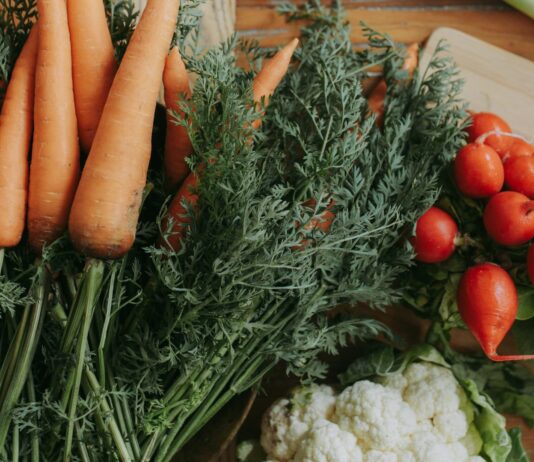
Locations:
(105, 327)
(82, 448)
(27, 351)
(10, 362)
(90, 291)
(113, 428)
(16, 443)
(34, 436)
(216, 388)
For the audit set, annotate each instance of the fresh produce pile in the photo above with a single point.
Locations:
(156, 263)
(405, 408)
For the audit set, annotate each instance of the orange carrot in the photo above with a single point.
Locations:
(177, 144)
(378, 95)
(106, 208)
(93, 64)
(271, 74)
(55, 164)
(177, 211)
(16, 129)
(264, 85)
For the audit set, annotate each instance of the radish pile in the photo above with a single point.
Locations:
(497, 167)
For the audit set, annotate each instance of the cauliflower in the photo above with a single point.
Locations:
(396, 381)
(472, 441)
(379, 456)
(375, 414)
(451, 426)
(431, 390)
(419, 415)
(326, 442)
(288, 420)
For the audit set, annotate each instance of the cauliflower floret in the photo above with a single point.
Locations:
(288, 420)
(395, 381)
(452, 426)
(406, 456)
(426, 451)
(431, 390)
(379, 456)
(472, 441)
(326, 442)
(459, 451)
(376, 415)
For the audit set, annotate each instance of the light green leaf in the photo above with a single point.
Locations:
(497, 443)
(526, 303)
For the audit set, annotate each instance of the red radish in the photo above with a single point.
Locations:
(487, 301)
(484, 122)
(519, 148)
(508, 218)
(530, 263)
(519, 175)
(478, 171)
(435, 235)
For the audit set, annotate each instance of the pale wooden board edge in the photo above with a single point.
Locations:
(495, 80)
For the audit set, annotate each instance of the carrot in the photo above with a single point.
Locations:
(271, 74)
(264, 85)
(488, 303)
(177, 211)
(16, 129)
(177, 143)
(377, 97)
(106, 208)
(93, 64)
(55, 164)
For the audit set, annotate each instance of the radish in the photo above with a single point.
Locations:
(484, 122)
(508, 218)
(487, 301)
(478, 171)
(519, 175)
(435, 235)
(519, 147)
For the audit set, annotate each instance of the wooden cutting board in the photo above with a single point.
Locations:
(495, 80)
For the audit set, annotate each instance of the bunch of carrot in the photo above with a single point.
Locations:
(69, 95)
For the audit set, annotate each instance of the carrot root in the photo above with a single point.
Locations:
(105, 212)
(16, 128)
(177, 143)
(93, 64)
(55, 164)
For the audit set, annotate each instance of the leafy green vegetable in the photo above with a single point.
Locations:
(526, 303)
(491, 425)
(497, 443)
(510, 385)
(518, 453)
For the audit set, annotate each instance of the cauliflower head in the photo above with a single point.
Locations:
(375, 414)
(288, 420)
(419, 415)
(326, 442)
(431, 390)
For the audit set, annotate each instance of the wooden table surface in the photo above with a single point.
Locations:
(405, 20)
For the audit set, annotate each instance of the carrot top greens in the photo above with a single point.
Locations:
(161, 341)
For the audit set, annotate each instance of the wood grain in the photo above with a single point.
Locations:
(495, 24)
(495, 80)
